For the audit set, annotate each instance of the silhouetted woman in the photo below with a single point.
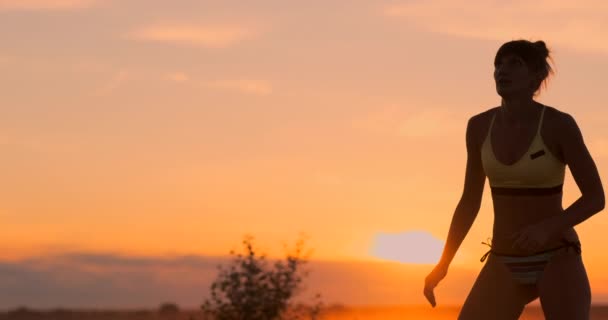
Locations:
(523, 147)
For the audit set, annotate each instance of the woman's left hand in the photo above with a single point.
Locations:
(533, 237)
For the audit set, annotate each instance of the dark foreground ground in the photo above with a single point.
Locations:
(329, 313)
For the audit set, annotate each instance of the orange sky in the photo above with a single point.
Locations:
(149, 128)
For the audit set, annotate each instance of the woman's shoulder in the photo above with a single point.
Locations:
(557, 119)
(485, 114)
(559, 126)
(481, 121)
(478, 126)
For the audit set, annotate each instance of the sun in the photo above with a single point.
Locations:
(417, 247)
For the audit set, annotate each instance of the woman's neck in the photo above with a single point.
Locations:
(517, 110)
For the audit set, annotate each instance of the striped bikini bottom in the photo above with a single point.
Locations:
(527, 269)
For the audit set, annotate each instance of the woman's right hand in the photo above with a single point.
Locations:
(431, 281)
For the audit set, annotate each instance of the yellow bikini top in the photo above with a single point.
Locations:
(536, 169)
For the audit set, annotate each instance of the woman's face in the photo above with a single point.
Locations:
(512, 77)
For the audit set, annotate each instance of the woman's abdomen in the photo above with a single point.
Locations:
(512, 213)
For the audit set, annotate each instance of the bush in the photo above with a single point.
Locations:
(249, 290)
(168, 308)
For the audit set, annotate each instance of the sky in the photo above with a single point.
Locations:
(141, 140)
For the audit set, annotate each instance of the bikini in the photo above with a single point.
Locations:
(537, 172)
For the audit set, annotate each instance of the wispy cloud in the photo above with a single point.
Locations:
(578, 25)
(248, 86)
(117, 79)
(240, 85)
(177, 77)
(215, 36)
(27, 5)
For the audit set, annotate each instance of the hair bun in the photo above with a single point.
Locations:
(542, 48)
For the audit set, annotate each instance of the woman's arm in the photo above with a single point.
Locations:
(470, 201)
(585, 174)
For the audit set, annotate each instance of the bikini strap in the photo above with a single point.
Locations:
(483, 258)
(540, 122)
(574, 244)
(489, 244)
(492, 121)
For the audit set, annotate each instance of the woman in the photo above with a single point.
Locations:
(523, 146)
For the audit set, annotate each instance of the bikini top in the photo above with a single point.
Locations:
(536, 172)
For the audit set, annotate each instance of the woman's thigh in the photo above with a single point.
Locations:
(564, 288)
(495, 295)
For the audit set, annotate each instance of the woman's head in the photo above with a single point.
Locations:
(521, 67)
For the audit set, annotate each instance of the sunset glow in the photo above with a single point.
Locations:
(141, 140)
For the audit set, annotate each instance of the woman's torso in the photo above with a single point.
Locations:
(505, 147)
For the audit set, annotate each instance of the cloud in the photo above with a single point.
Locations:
(105, 280)
(419, 247)
(118, 78)
(255, 87)
(109, 261)
(178, 77)
(247, 86)
(92, 280)
(33, 5)
(397, 120)
(87, 280)
(578, 25)
(219, 36)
